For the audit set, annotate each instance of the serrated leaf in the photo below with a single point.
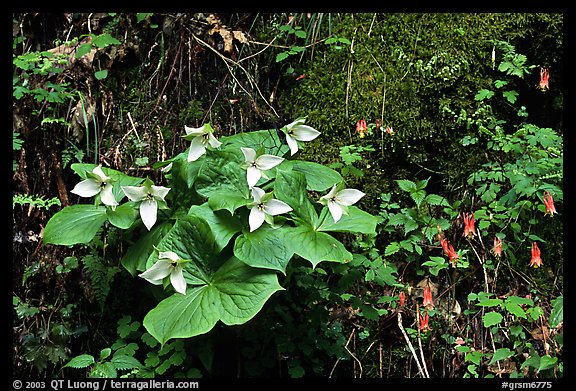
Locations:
(515, 309)
(122, 362)
(406, 185)
(436, 200)
(418, 196)
(82, 361)
(392, 248)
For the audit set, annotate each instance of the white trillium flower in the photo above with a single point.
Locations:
(149, 197)
(168, 264)
(264, 207)
(296, 131)
(96, 182)
(201, 138)
(258, 164)
(339, 201)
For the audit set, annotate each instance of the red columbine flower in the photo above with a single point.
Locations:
(424, 321)
(402, 297)
(469, 225)
(549, 202)
(544, 76)
(428, 302)
(536, 261)
(449, 251)
(497, 246)
(389, 130)
(361, 128)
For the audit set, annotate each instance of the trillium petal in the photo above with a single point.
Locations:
(169, 255)
(87, 188)
(197, 149)
(157, 272)
(292, 144)
(249, 154)
(266, 162)
(335, 210)
(148, 213)
(213, 141)
(304, 133)
(253, 175)
(107, 196)
(255, 219)
(195, 131)
(135, 193)
(276, 207)
(159, 191)
(177, 280)
(100, 174)
(330, 194)
(257, 194)
(349, 196)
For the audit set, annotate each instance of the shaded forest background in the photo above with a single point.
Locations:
(118, 89)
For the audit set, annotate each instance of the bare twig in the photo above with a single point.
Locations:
(422, 373)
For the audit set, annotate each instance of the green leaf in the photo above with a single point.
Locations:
(222, 224)
(501, 354)
(474, 357)
(135, 258)
(515, 309)
(234, 294)
(418, 196)
(229, 201)
(318, 177)
(484, 94)
(356, 221)
(532, 361)
(316, 246)
(74, 224)
(436, 200)
(406, 185)
(547, 362)
(101, 74)
(104, 40)
(123, 216)
(557, 313)
(264, 248)
(267, 139)
(123, 362)
(392, 248)
(105, 353)
(489, 302)
(511, 96)
(83, 49)
(492, 318)
(82, 361)
(281, 56)
(290, 187)
(222, 171)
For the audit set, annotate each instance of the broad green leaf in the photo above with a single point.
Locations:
(123, 216)
(489, 302)
(475, 357)
(406, 185)
(222, 224)
(384, 275)
(356, 221)
(222, 171)
(318, 177)
(501, 354)
(264, 248)
(515, 309)
(104, 40)
(135, 258)
(436, 200)
(82, 361)
(83, 49)
(234, 294)
(290, 187)
(492, 318)
(123, 362)
(267, 139)
(547, 362)
(104, 353)
(229, 201)
(557, 313)
(532, 361)
(74, 224)
(316, 246)
(101, 74)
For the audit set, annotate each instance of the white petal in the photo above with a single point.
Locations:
(107, 197)
(304, 133)
(135, 193)
(157, 272)
(266, 162)
(177, 280)
(297, 122)
(100, 174)
(148, 211)
(197, 149)
(335, 210)
(253, 175)
(255, 219)
(170, 255)
(257, 194)
(87, 188)
(330, 194)
(292, 144)
(349, 196)
(160, 191)
(194, 131)
(249, 154)
(276, 207)
(214, 143)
